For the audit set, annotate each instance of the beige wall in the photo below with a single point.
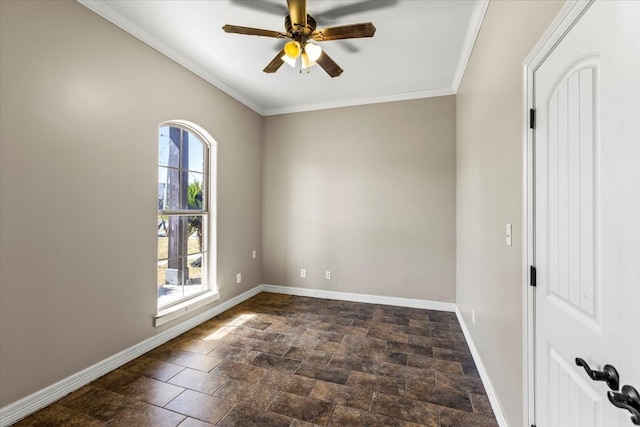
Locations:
(489, 190)
(80, 106)
(366, 192)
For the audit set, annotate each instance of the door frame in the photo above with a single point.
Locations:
(570, 13)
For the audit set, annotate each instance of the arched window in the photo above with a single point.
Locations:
(184, 221)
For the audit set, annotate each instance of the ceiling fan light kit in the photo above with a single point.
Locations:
(300, 28)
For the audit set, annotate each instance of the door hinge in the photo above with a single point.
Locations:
(532, 118)
(532, 276)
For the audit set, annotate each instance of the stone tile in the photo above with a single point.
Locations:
(342, 395)
(355, 316)
(200, 406)
(240, 371)
(149, 390)
(421, 341)
(324, 335)
(428, 391)
(349, 330)
(295, 384)
(152, 368)
(196, 345)
(355, 363)
(192, 360)
(393, 320)
(404, 372)
(300, 423)
(274, 347)
(316, 357)
(389, 333)
(329, 374)
(401, 347)
(449, 343)
(257, 324)
(331, 347)
(406, 409)
(234, 354)
(100, 404)
(248, 416)
(145, 415)
(433, 364)
(74, 395)
(452, 355)
(57, 415)
(388, 385)
(443, 316)
(192, 422)
(115, 379)
(278, 363)
(470, 369)
(454, 418)
(255, 395)
(199, 381)
(349, 417)
(303, 408)
(342, 321)
(460, 382)
(364, 344)
(450, 335)
(258, 334)
(481, 404)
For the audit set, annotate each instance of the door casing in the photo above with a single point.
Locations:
(567, 17)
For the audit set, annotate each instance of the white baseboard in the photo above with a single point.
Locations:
(486, 382)
(46, 396)
(370, 299)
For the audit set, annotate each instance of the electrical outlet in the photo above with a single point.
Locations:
(238, 277)
(327, 275)
(303, 273)
(254, 253)
(473, 317)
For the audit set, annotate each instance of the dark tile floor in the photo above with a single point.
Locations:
(280, 360)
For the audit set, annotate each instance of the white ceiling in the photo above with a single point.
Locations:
(420, 48)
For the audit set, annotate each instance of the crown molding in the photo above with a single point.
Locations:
(477, 16)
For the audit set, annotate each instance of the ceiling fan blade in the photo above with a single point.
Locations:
(236, 29)
(262, 6)
(329, 65)
(275, 63)
(353, 31)
(298, 13)
(350, 9)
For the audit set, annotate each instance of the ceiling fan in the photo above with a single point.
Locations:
(301, 29)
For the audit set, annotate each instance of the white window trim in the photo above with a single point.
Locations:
(175, 311)
(210, 295)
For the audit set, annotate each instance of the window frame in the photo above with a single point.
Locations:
(209, 292)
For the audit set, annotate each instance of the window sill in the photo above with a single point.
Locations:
(175, 311)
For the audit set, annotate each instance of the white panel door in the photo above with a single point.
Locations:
(587, 217)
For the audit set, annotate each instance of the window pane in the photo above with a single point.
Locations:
(169, 147)
(196, 154)
(163, 240)
(171, 195)
(195, 263)
(195, 197)
(195, 231)
(167, 292)
(163, 146)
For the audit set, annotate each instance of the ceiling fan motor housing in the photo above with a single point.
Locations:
(297, 30)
